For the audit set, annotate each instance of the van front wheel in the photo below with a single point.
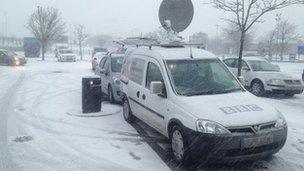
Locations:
(179, 145)
(127, 113)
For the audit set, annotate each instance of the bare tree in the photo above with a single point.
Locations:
(248, 12)
(285, 33)
(46, 24)
(232, 36)
(81, 36)
(267, 43)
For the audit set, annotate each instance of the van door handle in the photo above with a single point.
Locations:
(137, 94)
(144, 97)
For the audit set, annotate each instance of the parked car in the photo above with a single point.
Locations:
(96, 59)
(99, 49)
(66, 55)
(109, 70)
(303, 75)
(59, 47)
(11, 58)
(193, 99)
(261, 76)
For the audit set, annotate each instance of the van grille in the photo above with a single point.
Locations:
(252, 129)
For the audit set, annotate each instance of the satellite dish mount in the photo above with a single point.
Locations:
(175, 16)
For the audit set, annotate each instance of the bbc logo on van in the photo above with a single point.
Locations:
(241, 108)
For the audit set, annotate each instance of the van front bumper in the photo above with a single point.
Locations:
(236, 146)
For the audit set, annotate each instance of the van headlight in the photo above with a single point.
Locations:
(210, 127)
(280, 122)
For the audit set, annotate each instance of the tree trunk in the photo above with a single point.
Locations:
(80, 51)
(242, 40)
(42, 52)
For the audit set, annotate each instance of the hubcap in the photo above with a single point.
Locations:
(126, 110)
(256, 89)
(177, 144)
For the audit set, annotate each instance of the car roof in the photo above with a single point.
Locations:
(176, 53)
(250, 58)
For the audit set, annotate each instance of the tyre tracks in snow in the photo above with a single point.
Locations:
(62, 147)
(6, 162)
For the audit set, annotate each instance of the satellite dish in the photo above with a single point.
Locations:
(176, 14)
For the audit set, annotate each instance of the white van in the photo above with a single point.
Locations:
(195, 101)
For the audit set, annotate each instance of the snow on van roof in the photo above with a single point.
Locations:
(174, 53)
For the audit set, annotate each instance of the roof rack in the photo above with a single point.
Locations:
(150, 42)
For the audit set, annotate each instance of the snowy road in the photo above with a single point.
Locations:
(40, 130)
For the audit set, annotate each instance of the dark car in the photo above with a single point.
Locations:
(11, 58)
(303, 75)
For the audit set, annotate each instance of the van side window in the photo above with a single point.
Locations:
(137, 70)
(153, 74)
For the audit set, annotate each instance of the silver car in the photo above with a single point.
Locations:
(109, 69)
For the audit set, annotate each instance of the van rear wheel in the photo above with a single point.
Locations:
(127, 113)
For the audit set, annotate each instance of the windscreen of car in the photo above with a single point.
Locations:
(202, 76)
(263, 66)
(10, 54)
(116, 64)
(66, 51)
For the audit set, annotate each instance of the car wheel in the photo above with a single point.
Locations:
(289, 94)
(111, 95)
(127, 113)
(257, 88)
(179, 145)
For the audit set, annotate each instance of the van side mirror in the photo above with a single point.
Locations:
(157, 87)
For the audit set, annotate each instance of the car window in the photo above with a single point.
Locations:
(106, 66)
(230, 63)
(137, 70)
(153, 74)
(116, 64)
(102, 62)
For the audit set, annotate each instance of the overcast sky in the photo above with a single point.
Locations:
(126, 17)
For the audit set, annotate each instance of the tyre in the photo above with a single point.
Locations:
(179, 145)
(257, 88)
(289, 94)
(127, 113)
(111, 95)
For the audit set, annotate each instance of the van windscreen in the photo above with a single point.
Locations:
(202, 76)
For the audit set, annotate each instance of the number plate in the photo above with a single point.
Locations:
(257, 141)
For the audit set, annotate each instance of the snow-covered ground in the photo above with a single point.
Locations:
(41, 127)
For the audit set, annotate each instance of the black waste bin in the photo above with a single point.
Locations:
(91, 94)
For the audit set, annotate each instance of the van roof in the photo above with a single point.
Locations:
(174, 53)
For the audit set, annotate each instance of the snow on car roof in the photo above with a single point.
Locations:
(254, 58)
(250, 58)
(174, 53)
